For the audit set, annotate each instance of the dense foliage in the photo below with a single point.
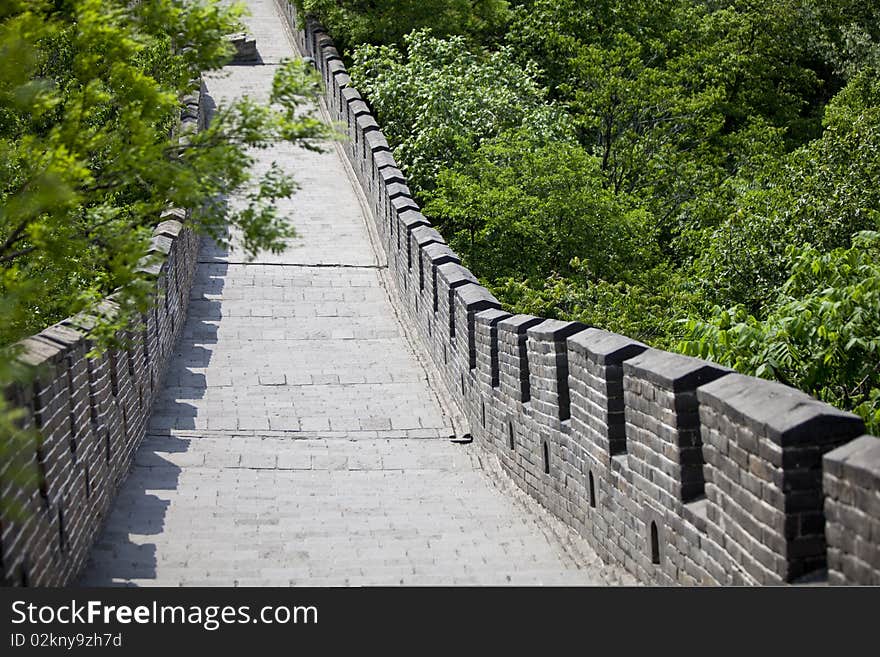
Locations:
(90, 94)
(819, 334)
(699, 175)
(443, 101)
(385, 22)
(90, 101)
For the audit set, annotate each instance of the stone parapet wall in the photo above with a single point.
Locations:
(679, 470)
(89, 414)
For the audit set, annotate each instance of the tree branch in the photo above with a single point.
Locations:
(15, 254)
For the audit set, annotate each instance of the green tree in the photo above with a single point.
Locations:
(822, 333)
(90, 97)
(848, 35)
(533, 220)
(821, 194)
(438, 101)
(387, 22)
(671, 95)
(90, 93)
(636, 163)
(525, 207)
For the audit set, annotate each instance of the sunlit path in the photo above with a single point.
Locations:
(297, 440)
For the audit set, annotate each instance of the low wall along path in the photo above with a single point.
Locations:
(289, 424)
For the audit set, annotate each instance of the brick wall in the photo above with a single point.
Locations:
(677, 469)
(90, 413)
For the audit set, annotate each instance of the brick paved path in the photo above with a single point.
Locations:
(297, 440)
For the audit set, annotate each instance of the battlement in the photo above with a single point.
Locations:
(680, 470)
(677, 469)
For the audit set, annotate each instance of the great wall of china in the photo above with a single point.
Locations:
(676, 469)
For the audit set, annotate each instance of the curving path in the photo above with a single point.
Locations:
(297, 439)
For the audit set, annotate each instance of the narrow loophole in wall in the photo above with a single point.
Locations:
(42, 482)
(24, 573)
(451, 302)
(71, 408)
(592, 491)
(88, 482)
(93, 400)
(546, 458)
(655, 544)
(484, 414)
(524, 382)
(510, 435)
(157, 329)
(62, 533)
(462, 384)
(114, 376)
(38, 413)
(107, 444)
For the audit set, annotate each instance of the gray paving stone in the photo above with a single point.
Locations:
(296, 440)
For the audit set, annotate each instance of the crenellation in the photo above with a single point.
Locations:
(851, 483)
(514, 376)
(486, 352)
(431, 257)
(631, 439)
(341, 82)
(662, 423)
(547, 353)
(470, 300)
(767, 443)
(677, 469)
(376, 142)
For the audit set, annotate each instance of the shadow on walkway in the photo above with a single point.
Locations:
(121, 557)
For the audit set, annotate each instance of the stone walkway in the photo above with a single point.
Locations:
(297, 440)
